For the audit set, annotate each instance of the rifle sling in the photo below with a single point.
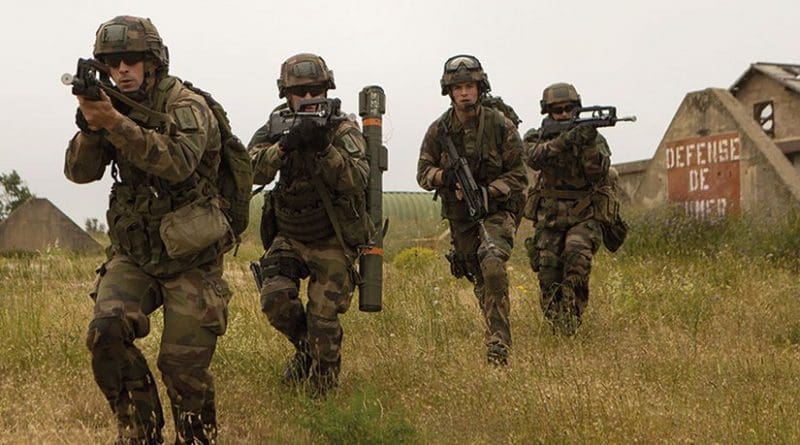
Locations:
(326, 201)
(159, 117)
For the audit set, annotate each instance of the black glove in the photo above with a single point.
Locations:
(315, 136)
(581, 135)
(449, 177)
(80, 121)
(293, 140)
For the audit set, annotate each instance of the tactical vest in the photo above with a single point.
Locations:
(486, 163)
(300, 213)
(139, 201)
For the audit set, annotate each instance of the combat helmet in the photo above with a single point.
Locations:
(131, 34)
(559, 92)
(464, 68)
(304, 69)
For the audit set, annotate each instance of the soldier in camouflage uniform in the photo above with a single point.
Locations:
(164, 164)
(568, 206)
(492, 147)
(316, 163)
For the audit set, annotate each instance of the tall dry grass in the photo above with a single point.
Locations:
(691, 336)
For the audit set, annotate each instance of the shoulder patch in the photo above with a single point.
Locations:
(186, 119)
(352, 143)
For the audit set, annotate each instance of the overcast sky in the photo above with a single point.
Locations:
(641, 56)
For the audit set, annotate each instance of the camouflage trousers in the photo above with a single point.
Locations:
(563, 260)
(313, 329)
(195, 314)
(484, 263)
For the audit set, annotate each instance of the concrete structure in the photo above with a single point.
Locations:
(771, 93)
(715, 160)
(630, 176)
(38, 224)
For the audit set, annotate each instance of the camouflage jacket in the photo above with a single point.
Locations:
(568, 184)
(494, 156)
(342, 168)
(157, 168)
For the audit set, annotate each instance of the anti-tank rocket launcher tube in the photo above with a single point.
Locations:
(371, 107)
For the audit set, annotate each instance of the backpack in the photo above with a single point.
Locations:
(498, 104)
(235, 180)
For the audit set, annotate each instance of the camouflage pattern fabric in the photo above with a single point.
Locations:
(157, 172)
(499, 167)
(343, 169)
(314, 329)
(567, 231)
(195, 314)
(486, 262)
(156, 169)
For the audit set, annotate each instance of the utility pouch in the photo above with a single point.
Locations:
(354, 221)
(614, 234)
(269, 224)
(193, 227)
(605, 206)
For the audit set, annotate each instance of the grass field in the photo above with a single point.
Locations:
(691, 336)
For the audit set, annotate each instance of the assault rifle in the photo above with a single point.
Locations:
(475, 196)
(596, 116)
(325, 112)
(91, 75)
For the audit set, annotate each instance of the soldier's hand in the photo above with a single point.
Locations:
(99, 113)
(581, 135)
(293, 140)
(80, 121)
(449, 178)
(315, 136)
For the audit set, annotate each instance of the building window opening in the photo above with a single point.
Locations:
(764, 113)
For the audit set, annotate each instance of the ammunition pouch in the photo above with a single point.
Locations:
(356, 225)
(193, 227)
(268, 228)
(605, 205)
(614, 234)
(304, 225)
(288, 267)
(129, 232)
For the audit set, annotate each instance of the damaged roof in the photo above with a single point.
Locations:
(787, 74)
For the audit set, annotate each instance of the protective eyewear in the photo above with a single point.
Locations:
(455, 63)
(569, 108)
(132, 58)
(302, 90)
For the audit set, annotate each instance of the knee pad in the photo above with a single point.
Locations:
(577, 266)
(278, 290)
(286, 266)
(108, 333)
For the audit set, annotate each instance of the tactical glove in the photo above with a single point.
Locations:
(315, 136)
(449, 178)
(581, 135)
(293, 140)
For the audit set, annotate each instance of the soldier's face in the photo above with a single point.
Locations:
(465, 95)
(562, 111)
(128, 77)
(296, 94)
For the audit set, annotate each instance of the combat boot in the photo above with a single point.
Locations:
(298, 368)
(568, 319)
(323, 379)
(194, 429)
(497, 354)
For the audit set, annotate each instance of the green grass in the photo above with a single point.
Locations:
(692, 335)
